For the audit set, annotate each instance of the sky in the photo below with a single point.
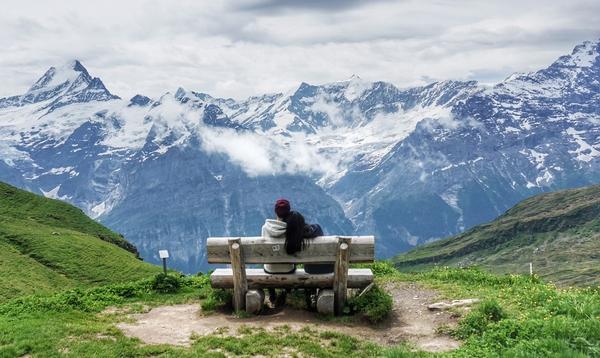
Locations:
(241, 48)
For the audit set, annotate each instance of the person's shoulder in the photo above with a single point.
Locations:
(273, 228)
(265, 225)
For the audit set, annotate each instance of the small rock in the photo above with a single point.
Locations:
(454, 303)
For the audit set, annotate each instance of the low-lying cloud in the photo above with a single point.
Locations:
(259, 155)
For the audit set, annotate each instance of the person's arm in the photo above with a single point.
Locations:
(312, 230)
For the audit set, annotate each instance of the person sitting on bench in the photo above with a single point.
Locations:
(276, 229)
(291, 227)
(312, 231)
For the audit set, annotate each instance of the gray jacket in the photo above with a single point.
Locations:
(274, 231)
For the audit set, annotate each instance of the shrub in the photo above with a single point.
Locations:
(217, 299)
(383, 268)
(477, 322)
(198, 281)
(375, 305)
(491, 310)
(165, 283)
(204, 292)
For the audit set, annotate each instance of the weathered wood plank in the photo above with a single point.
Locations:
(258, 250)
(240, 285)
(258, 278)
(340, 278)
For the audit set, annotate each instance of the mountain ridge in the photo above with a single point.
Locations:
(408, 165)
(557, 231)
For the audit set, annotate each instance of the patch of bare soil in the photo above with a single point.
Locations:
(410, 321)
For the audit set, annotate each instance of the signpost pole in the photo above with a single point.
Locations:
(164, 255)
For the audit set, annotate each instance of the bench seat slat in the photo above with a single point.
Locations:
(258, 278)
(258, 250)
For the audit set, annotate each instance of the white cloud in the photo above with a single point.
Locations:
(259, 155)
(333, 111)
(236, 49)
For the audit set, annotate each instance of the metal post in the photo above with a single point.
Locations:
(164, 255)
(531, 268)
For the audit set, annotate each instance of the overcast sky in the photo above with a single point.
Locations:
(241, 48)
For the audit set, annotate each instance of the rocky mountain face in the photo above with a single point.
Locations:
(407, 165)
(531, 133)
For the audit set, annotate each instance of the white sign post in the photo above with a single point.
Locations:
(164, 255)
(531, 268)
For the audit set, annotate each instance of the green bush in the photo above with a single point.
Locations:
(475, 323)
(379, 268)
(491, 310)
(383, 268)
(375, 305)
(166, 283)
(216, 299)
(197, 281)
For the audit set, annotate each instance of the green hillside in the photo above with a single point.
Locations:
(47, 245)
(558, 232)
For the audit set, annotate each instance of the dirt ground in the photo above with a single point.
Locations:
(410, 321)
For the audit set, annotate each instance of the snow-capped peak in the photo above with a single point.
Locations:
(184, 95)
(356, 86)
(139, 100)
(353, 77)
(569, 71)
(61, 76)
(515, 76)
(583, 55)
(180, 93)
(59, 86)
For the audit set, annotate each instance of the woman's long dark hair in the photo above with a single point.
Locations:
(294, 233)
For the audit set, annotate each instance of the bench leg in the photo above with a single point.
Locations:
(240, 285)
(254, 301)
(326, 302)
(340, 278)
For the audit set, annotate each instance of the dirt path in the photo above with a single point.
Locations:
(411, 321)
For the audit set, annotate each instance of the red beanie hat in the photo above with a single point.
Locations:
(282, 208)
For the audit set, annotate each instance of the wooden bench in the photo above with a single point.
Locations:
(247, 284)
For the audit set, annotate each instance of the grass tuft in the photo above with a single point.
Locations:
(375, 305)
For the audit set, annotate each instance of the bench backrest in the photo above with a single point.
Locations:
(259, 250)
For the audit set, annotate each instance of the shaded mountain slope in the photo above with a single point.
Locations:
(558, 232)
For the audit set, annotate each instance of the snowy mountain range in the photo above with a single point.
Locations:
(407, 165)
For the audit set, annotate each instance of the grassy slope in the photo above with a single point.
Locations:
(47, 245)
(559, 232)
